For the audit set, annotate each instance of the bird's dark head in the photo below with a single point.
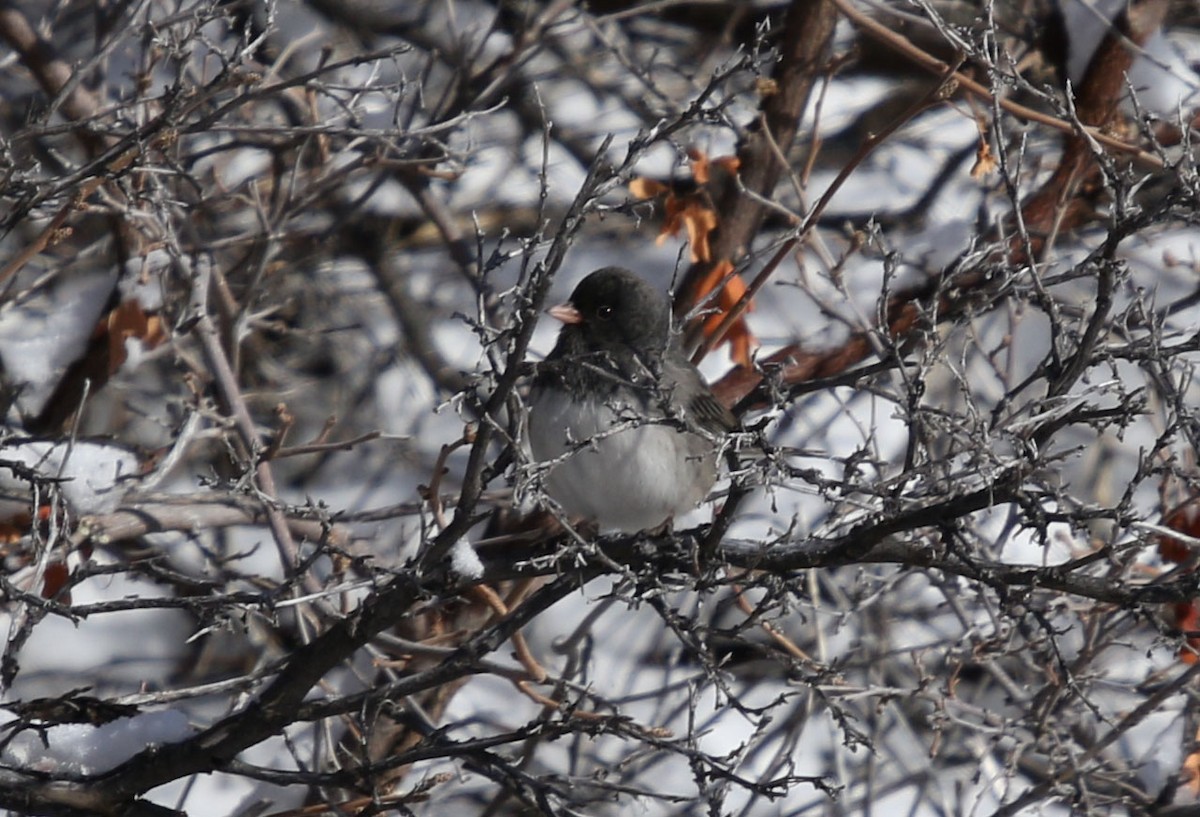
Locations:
(613, 308)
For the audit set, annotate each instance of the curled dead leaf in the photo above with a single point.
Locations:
(732, 288)
(688, 204)
(129, 321)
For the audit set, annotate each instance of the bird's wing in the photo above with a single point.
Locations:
(702, 407)
(711, 415)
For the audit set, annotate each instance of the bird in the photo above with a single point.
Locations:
(625, 426)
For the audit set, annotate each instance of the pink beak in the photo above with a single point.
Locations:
(567, 313)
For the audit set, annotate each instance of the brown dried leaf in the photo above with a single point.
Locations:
(739, 337)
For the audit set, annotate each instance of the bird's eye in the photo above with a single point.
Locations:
(604, 312)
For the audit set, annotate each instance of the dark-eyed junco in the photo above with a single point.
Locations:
(626, 425)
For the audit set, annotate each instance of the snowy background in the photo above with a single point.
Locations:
(264, 262)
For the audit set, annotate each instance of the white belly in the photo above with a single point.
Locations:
(622, 475)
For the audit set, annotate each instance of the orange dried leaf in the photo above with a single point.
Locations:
(156, 333)
(985, 162)
(739, 337)
(715, 275)
(644, 188)
(698, 160)
(729, 164)
(700, 222)
(669, 229)
(129, 321)
(704, 169)
(741, 343)
(673, 223)
(733, 291)
(685, 207)
(1191, 771)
